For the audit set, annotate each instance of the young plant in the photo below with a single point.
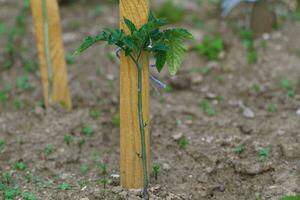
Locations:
(262, 154)
(68, 139)
(84, 168)
(211, 47)
(166, 47)
(103, 168)
(208, 109)
(183, 142)
(2, 144)
(65, 186)
(156, 169)
(87, 130)
(49, 149)
(20, 166)
(104, 182)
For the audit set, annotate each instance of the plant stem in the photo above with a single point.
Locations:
(142, 129)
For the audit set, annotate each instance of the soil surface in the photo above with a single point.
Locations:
(249, 149)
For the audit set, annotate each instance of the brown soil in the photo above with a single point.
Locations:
(208, 167)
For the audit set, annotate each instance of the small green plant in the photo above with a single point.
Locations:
(88, 131)
(208, 109)
(239, 149)
(28, 196)
(49, 149)
(211, 47)
(298, 52)
(84, 168)
(183, 142)
(165, 46)
(271, 108)
(20, 166)
(95, 113)
(2, 144)
(22, 82)
(247, 37)
(287, 85)
(4, 95)
(263, 153)
(7, 177)
(291, 197)
(116, 120)
(257, 88)
(68, 138)
(170, 11)
(65, 186)
(104, 182)
(156, 169)
(103, 168)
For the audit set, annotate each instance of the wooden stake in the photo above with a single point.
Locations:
(58, 83)
(130, 143)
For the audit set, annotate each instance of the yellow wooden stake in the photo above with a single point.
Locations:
(57, 72)
(130, 143)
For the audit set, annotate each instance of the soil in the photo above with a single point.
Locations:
(211, 166)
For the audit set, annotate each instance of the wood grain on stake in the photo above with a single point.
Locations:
(130, 144)
(60, 89)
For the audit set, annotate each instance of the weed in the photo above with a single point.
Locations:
(65, 186)
(4, 95)
(298, 52)
(7, 177)
(104, 182)
(271, 108)
(262, 154)
(22, 82)
(95, 113)
(257, 88)
(252, 57)
(2, 144)
(103, 168)
(88, 131)
(68, 138)
(247, 37)
(28, 196)
(169, 88)
(239, 149)
(291, 197)
(211, 47)
(208, 109)
(183, 142)
(156, 169)
(170, 11)
(117, 120)
(84, 168)
(49, 149)
(18, 104)
(20, 166)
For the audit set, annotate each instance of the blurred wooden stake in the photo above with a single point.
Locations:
(130, 143)
(60, 88)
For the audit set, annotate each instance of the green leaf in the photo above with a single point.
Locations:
(130, 25)
(174, 42)
(161, 59)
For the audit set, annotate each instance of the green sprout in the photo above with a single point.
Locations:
(84, 168)
(263, 153)
(2, 144)
(20, 166)
(290, 198)
(65, 186)
(211, 47)
(7, 177)
(239, 149)
(28, 196)
(183, 142)
(68, 139)
(165, 46)
(103, 168)
(104, 182)
(116, 120)
(88, 131)
(156, 169)
(208, 109)
(49, 149)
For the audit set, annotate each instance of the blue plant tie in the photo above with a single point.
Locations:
(152, 78)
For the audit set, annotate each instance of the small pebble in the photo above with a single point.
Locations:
(177, 136)
(166, 166)
(248, 113)
(298, 112)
